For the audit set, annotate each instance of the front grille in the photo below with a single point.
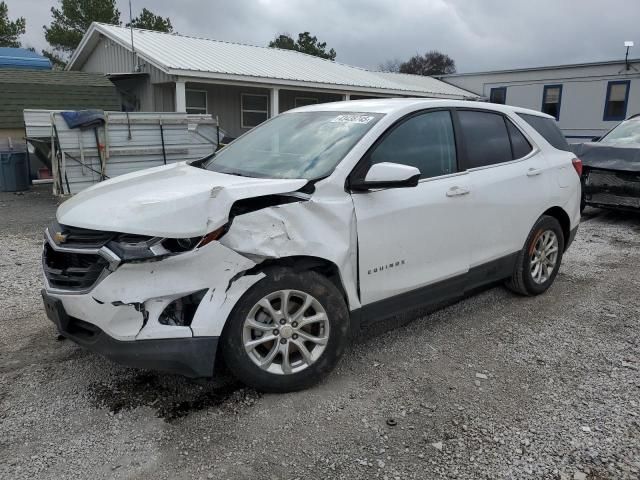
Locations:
(71, 271)
(80, 237)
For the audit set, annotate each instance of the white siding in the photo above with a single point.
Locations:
(110, 58)
(584, 90)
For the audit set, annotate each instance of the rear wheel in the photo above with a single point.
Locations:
(287, 332)
(539, 260)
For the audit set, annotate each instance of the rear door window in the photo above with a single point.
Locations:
(548, 129)
(485, 137)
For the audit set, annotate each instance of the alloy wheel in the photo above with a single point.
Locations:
(544, 256)
(286, 332)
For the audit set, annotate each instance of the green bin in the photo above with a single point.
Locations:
(14, 171)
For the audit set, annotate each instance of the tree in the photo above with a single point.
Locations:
(431, 63)
(10, 30)
(150, 21)
(56, 60)
(72, 20)
(390, 65)
(305, 44)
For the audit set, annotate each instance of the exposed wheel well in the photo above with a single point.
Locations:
(322, 266)
(563, 218)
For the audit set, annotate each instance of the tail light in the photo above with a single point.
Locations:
(577, 164)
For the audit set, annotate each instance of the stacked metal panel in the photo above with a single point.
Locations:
(127, 142)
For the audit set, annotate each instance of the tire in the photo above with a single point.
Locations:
(294, 289)
(526, 280)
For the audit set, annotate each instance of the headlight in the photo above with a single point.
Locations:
(137, 247)
(132, 248)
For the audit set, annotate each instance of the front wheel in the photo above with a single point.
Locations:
(539, 260)
(287, 332)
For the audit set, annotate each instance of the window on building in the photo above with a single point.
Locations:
(255, 109)
(485, 137)
(196, 101)
(548, 129)
(498, 95)
(551, 100)
(425, 141)
(615, 107)
(303, 101)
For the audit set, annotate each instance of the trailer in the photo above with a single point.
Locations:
(116, 143)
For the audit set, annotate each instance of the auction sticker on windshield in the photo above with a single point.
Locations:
(352, 118)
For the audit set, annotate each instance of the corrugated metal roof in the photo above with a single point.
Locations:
(428, 84)
(201, 57)
(22, 58)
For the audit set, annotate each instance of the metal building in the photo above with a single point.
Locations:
(242, 84)
(587, 99)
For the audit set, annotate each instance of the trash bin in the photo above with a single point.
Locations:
(14, 171)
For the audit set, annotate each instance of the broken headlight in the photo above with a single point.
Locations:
(137, 247)
(140, 247)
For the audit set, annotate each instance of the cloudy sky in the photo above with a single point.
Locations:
(477, 34)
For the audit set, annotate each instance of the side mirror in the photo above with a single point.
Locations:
(388, 175)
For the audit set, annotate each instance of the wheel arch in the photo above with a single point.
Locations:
(563, 218)
(300, 263)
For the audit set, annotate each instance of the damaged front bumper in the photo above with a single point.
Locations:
(128, 311)
(611, 189)
(192, 357)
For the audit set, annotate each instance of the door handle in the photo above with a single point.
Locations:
(457, 191)
(532, 172)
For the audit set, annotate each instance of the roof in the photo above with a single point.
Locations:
(22, 58)
(391, 105)
(187, 56)
(52, 90)
(549, 67)
(54, 77)
(428, 84)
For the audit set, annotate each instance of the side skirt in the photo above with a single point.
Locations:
(432, 296)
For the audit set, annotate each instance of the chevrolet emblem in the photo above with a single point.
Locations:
(59, 237)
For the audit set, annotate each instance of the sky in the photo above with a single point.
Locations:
(478, 34)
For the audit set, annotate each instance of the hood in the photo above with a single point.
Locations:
(608, 157)
(177, 201)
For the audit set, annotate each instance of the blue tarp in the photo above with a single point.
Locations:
(84, 118)
(22, 58)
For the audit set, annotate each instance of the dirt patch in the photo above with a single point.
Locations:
(171, 397)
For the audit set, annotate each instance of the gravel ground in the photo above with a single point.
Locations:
(496, 386)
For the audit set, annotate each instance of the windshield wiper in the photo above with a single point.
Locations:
(202, 162)
(237, 174)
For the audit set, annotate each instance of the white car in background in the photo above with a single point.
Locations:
(320, 222)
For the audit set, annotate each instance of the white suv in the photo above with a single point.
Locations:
(320, 222)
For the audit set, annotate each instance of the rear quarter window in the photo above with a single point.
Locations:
(519, 144)
(548, 129)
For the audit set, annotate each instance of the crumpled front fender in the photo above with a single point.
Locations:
(324, 229)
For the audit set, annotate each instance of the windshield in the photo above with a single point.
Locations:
(627, 132)
(305, 145)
